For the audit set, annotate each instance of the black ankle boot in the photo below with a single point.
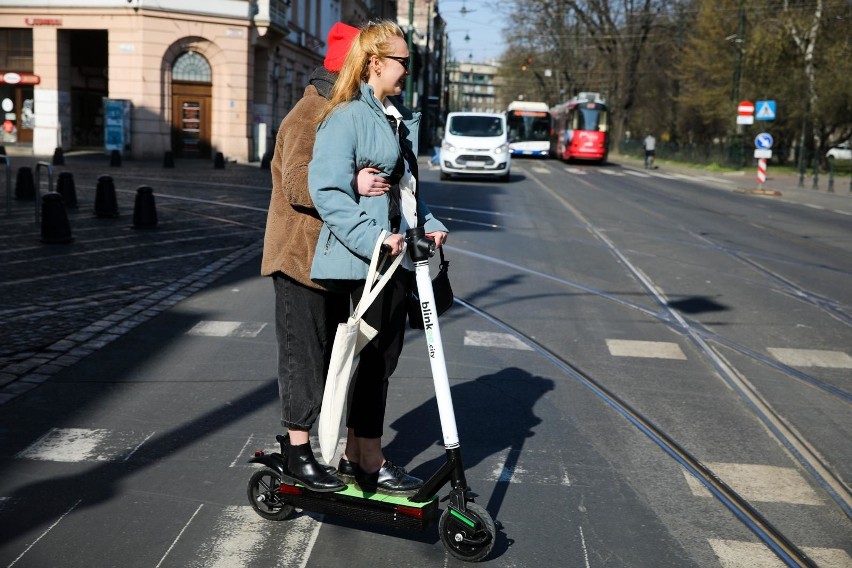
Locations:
(284, 440)
(303, 466)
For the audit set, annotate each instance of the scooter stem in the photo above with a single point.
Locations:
(420, 250)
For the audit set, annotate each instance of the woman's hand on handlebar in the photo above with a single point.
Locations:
(440, 237)
(396, 243)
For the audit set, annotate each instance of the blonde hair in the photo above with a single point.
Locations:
(373, 40)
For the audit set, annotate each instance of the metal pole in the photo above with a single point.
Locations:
(39, 165)
(409, 81)
(8, 163)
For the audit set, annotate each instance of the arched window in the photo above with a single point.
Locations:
(192, 67)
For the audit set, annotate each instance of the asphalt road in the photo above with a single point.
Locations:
(720, 317)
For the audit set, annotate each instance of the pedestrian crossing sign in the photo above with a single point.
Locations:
(764, 110)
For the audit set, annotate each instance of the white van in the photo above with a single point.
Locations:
(476, 143)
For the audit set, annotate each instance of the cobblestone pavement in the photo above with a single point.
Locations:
(60, 302)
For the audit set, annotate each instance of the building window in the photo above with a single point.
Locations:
(192, 67)
(16, 50)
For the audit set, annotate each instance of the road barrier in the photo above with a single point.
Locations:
(24, 189)
(144, 209)
(106, 204)
(55, 227)
(65, 187)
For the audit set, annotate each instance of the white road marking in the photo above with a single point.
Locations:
(541, 170)
(611, 173)
(637, 174)
(503, 473)
(762, 483)
(240, 534)
(84, 445)
(647, 349)
(177, 538)
(42, 535)
(492, 339)
(226, 329)
(812, 358)
(740, 554)
(576, 171)
(664, 176)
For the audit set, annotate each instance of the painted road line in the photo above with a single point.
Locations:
(506, 469)
(177, 538)
(611, 173)
(740, 554)
(577, 171)
(759, 483)
(226, 329)
(541, 170)
(812, 358)
(492, 339)
(42, 535)
(647, 349)
(637, 174)
(240, 536)
(84, 445)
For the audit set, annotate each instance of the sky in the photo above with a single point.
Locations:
(480, 20)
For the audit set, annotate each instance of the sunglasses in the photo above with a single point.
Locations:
(404, 61)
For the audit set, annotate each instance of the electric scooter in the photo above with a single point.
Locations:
(466, 529)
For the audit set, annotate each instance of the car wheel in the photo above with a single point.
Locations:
(444, 176)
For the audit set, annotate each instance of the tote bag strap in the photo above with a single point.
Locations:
(371, 287)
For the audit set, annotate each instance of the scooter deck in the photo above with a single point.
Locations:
(353, 503)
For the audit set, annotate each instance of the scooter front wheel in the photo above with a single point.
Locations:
(469, 536)
(264, 497)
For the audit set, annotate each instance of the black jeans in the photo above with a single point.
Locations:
(369, 391)
(305, 322)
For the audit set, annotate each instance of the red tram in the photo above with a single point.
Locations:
(580, 129)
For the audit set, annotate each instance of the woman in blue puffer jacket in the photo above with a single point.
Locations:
(365, 125)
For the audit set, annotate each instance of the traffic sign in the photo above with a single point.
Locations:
(745, 108)
(761, 153)
(765, 110)
(763, 141)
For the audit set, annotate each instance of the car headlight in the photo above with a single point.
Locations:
(501, 149)
(448, 147)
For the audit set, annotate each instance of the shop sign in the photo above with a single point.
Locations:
(43, 21)
(12, 78)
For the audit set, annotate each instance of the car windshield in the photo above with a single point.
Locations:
(482, 126)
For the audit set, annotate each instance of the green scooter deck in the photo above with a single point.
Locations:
(353, 503)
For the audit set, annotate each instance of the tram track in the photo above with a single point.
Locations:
(765, 531)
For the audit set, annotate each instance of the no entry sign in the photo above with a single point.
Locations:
(745, 108)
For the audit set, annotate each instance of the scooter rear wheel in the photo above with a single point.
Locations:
(464, 542)
(264, 497)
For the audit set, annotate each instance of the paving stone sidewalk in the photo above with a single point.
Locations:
(61, 301)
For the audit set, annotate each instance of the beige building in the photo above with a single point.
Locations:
(193, 77)
(473, 87)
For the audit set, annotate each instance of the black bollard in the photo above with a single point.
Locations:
(24, 184)
(65, 188)
(115, 159)
(219, 161)
(168, 159)
(144, 210)
(106, 204)
(55, 227)
(266, 162)
(58, 157)
(2, 150)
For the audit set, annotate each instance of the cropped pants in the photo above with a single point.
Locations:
(305, 322)
(369, 390)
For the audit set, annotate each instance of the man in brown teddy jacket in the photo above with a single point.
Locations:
(306, 314)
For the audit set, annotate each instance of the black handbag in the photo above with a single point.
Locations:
(443, 295)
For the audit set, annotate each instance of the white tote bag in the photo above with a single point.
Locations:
(349, 340)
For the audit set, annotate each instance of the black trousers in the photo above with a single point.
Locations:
(369, 390)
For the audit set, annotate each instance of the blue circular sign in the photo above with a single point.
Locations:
(763, 141)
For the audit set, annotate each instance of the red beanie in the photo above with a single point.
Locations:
(340, 38)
